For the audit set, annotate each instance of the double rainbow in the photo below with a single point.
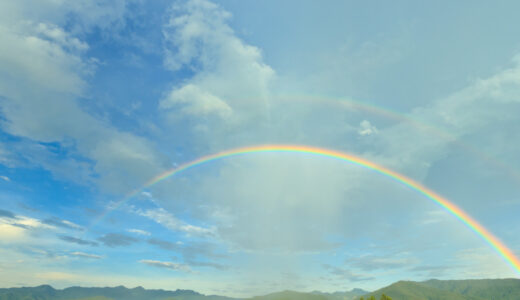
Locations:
(489, 238)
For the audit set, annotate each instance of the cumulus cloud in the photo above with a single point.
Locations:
(196, 102)
(231, 81)
(57, 75)
(365, 128)
(167, 265)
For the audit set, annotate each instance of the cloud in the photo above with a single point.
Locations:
(231, 80)
(116, 239)
(11, 232)
(433, 271)
(86, 255)
(97, 152)
(385, 262)
(166, 245)
(7, 214)
(214, 265)
(78, 241)
(167, 265)
(196, 102)
(54, 221)
(139, 231)
(168, 220)
(481, 262)
(195, 254)
(365, 128)
(19, 228)
(346, 274)
(5, 178)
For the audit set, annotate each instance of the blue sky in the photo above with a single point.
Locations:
(98, 97)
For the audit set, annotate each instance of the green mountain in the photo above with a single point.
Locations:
(348, 295)
(410, 290)
(482, 289)
(489, 289)
(46, 292)
(290, 295)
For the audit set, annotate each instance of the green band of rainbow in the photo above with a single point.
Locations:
(493, 241)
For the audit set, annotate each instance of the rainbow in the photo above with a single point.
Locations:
(489, 238)
(387, 113)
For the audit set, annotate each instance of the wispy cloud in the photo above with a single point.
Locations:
(117, 239)
(139, 232)
(346, 273)
(54, 221)
(169, 221)
(86, 255)
(166, 245)
(167, 265)
(78, 241)
(375, 262)
(7, 214)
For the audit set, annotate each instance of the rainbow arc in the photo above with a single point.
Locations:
(447, 205)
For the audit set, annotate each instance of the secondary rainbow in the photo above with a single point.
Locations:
(453, 209)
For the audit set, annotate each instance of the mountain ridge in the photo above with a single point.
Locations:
(433, 289)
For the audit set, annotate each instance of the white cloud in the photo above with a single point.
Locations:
(365, 128)
(139, 231)
(231, 80)
(49, 110)
(168, 220)
(482, 262)
(86, 255)
(260, 203)
(5, 178)
(167, 265)
(19, 229)
(196, 102)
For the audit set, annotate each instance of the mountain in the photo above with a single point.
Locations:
(489, 289)
(410, 290)
(481, 289)
(46, 292)
(349, 295)
(484, 289)
(290, 295)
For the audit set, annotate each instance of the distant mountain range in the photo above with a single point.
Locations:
(46, 292)
(481, 289)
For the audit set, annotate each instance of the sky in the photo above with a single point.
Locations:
(99, 97)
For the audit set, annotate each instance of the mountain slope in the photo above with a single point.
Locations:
(410, 290)
(348, 295)
(290, 295)
(491, 289)
(46, 292)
